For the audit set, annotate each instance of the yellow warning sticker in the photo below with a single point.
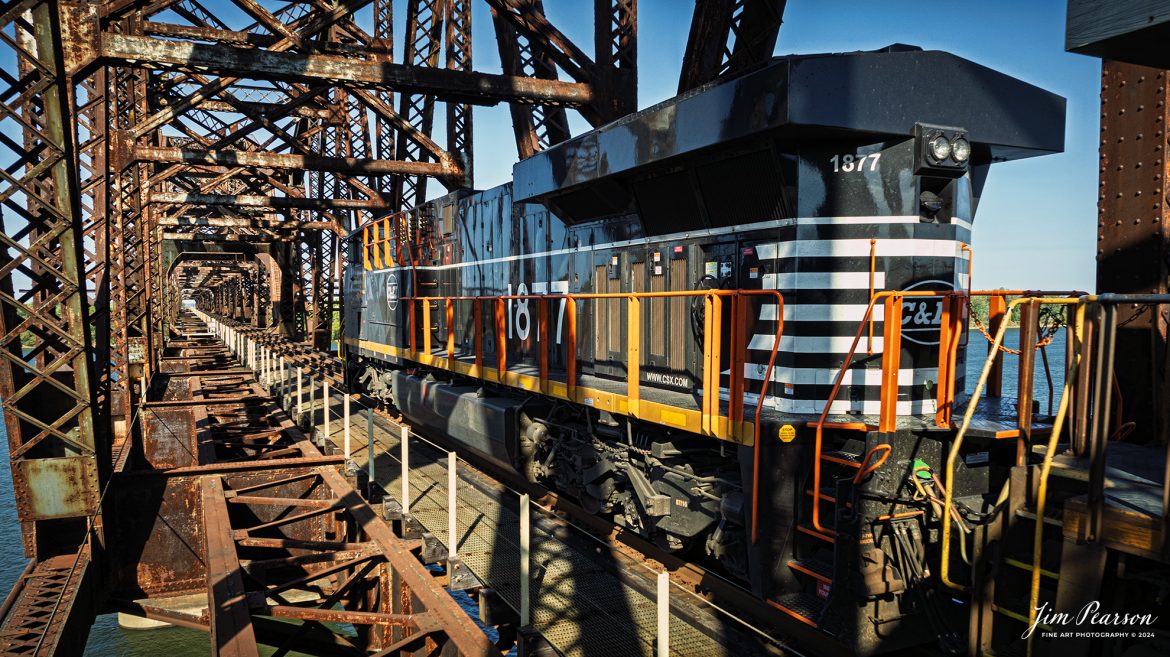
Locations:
(787, 433)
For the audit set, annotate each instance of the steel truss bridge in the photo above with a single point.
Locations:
(160, 150)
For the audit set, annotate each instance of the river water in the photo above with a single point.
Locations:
(106, 639)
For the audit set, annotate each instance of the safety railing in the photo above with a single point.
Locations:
(953, 304)
(1086, 398)
(707, 420)
(377, 244)
(1098, 411)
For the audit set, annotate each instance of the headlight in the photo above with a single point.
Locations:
(960, 149)
(940, 148)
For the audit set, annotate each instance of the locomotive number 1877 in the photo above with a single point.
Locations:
(520, 311)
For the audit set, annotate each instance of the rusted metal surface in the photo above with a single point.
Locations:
(55, 488)
(231, 627)
(51, 607)
(286, 161)
(728, 36)
(477, 88)
(258, 518)
(1132, 238)
(254, 201)
(47, 385)
(159, 536)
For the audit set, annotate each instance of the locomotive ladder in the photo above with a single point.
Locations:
(1064, 557)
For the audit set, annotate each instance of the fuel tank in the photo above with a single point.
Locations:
(487, 425)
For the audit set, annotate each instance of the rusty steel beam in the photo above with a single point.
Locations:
(729, 36)
(615, 39)
(268, 109)
(466, 636)
(191, 236)
(535, 127)
(1133, 235)
(215, 222)
(350, 165)
(56, 441)
(475, 88)
(255, 201)
(229, 616)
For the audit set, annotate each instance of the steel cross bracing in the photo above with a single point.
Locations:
(153, 152)
(250, 511)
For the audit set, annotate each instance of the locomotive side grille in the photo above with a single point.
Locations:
(613, 312)
(657, 319)
(678, 314)
(600, 335)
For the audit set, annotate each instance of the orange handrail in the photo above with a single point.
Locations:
(866, 468)
(890, 361)
(760, 406)
(710, 404)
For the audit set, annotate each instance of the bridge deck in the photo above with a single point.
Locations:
(587, 599)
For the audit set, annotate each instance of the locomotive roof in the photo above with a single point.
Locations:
(796, 98)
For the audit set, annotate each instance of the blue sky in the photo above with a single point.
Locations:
(1036, 224)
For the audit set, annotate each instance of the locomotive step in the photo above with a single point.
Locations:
(828, 495)
(842, 457)
(807, 528)
(846, 426)
(1044, 572)
(818, 569)
(1048, 519)
(804, 607)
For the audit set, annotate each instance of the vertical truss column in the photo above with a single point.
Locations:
(1132, 236)
(383, 43)
(47, 376)
(459, 141)
(424, 33)
(616, 52)
(728, 36)
(536, 126)
(90, 110)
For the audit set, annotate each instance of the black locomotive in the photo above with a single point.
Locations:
(651, 314)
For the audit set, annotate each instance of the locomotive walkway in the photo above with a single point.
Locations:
(586, 598)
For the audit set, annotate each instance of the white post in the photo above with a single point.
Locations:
(300, 398)
(325, 405)
(283, 381)
(525, 606)
(664, 614)
(452, 536)
(345, 421)
(405, 443)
